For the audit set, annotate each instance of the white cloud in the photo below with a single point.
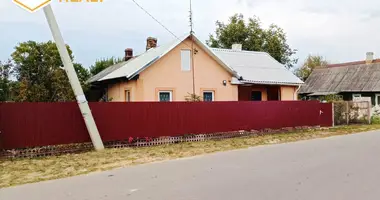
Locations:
(339, 30)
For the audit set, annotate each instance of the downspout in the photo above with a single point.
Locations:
(192, 62)
(295, 97)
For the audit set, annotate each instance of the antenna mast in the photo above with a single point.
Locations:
(191, 19)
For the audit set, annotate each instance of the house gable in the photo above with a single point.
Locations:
(166, 74)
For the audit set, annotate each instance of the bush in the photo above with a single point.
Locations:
(331, 98)
(375, 119)
(193, 98)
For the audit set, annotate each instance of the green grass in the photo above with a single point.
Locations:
(22, 171)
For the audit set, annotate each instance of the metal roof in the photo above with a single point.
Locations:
(136, 65)
(351, 78)
(257, 67)
(247, 66)
(107, 71)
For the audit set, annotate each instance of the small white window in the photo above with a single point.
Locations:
(208, 96)
(165, 96)
(185, 60)
(356, 96)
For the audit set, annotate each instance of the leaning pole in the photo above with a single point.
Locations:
(74, 81)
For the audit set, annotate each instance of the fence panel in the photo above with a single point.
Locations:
(25, 125)
(352, 112)
(326, 115)
(41, 124)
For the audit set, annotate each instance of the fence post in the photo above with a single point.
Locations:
(347, 114)
(369, 112)
(333, 114)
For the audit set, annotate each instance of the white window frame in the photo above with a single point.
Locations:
(209, 91)
(356, 96)
(166, 91)
(376, 99)
(185, 52)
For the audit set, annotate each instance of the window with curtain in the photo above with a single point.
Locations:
(208, 96)
(165, 96)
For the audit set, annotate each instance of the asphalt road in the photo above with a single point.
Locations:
(346, 168)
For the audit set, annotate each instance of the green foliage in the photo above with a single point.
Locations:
(312, 62)
(193, 98)
(83, 75)
(102, 64)
(331, 98)
(253, 37)
(38, 70)
(375, 119)
(5, 83)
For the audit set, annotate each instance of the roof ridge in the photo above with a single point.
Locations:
(239, 51)
(346, 64)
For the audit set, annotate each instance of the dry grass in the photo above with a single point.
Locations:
(22, 171)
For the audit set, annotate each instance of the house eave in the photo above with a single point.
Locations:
(243, 82)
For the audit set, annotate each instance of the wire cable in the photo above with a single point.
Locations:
(155, 19)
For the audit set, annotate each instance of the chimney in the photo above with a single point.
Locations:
(151, 42)
(369, 58)
(237, 47)
(128, 54)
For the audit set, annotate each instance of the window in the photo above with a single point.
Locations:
(356, 96)
(377, 100)
(256, 96)
(127, 95)
(185, 60)
(208, 96)
(165, 96)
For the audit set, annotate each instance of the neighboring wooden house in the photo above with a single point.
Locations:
(350, 80)
(172, 72)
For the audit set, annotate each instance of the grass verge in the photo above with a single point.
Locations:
(22, 171)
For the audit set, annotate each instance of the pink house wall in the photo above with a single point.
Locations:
(289, 93)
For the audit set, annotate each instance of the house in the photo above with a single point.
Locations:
(187, 66)
(349, 80)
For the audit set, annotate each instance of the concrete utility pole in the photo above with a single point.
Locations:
(75, 84)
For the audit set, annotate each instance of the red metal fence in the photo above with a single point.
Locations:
(24, 125)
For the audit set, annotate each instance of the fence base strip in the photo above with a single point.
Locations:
(143, 142)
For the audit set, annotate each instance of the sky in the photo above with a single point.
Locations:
(339, 30)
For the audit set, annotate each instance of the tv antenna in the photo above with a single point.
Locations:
(191, 19)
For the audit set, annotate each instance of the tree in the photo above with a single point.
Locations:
(5, 83)
(40, 74)
(83, 75)
(102, 64)
(312, 62)
(253, 37)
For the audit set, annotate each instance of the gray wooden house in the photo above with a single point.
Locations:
(350, 80)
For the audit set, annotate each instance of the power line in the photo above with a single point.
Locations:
(191, 33)
(155, 19)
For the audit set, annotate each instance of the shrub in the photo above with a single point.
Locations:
(375, 119)
(193, 98)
